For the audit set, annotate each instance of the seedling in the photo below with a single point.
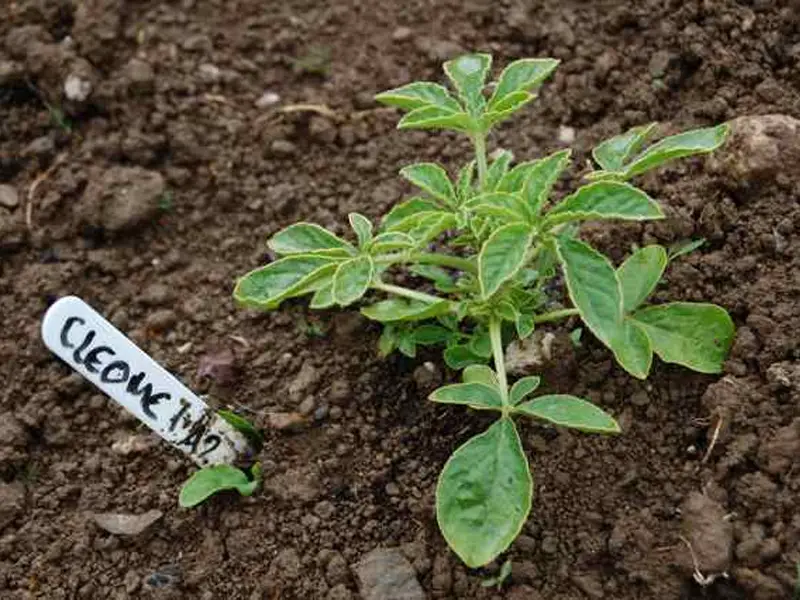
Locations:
(498, 580)
(490, 246)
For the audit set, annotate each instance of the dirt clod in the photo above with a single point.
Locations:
(709, 533)
(385, 574)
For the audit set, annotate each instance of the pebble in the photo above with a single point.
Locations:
(401, 34)
(121, 198)
(77, 89)
(126, 524)
(8, 196)
(209, 72)
(267, 99)
(161, 320)
(566, 134)
(283, 148)
(385, 574)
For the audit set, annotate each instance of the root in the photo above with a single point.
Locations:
(703, 580)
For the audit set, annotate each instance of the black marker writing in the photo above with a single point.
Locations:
(146, 392)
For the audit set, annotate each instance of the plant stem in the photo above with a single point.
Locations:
(405, 292)
(444, 260)
(480, 157)
(555, 315)
(495, 335)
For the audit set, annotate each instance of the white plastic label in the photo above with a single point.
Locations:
(92, 346)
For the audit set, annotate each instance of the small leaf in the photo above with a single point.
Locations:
(497, 170)
(268, 286)
(323, 297)
(428, 335)
(525, 325)
(362, 228)
(390, 241)
(521, 76)
(639, 275)
(604, 200)
(464, 183)
(400, 218)
(243, 426)
(441, 279)
(406, 344)
(688, 143)
(434, 117)
(480, 374)
(400, 309)
(306, 238)
(502, 255)
(480, 343)
(505, 108)
(612, 153)
(569, 411)
(433, 179)
(430, 226)
(216, 478)
(681, 249)
(513, 181)
(697, 336)
(523, 387)
(388, 341)
(352, 279)
(475, 395)
(418, 95)
(468, 75)
(540, 179)
(506, 311)
(632, 349)
(460, 356)
(508, 207)
(484, 494)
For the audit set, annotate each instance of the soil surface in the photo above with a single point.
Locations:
(145, 159)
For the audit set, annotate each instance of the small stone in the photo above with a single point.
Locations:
(133, 444)
(8, 196)
(161, 320)
(427, 377)
(77, 89)
(139, 75)
(286, 421)
(566, 134)
(321, 413)
(209, 72)
(401, 34)
(126, 524)
(267, 99)
(307, 406)
(283, 148)
(40, 147)
(304, 381)
(527, 356)
(385, 574)
(324, 510)
(392, 489)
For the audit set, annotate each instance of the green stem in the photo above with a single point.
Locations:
(556, 315)
(495, 335)
(405, 292)
(480, 157)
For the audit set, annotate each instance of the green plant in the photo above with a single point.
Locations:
(507, 239)
(499, 579)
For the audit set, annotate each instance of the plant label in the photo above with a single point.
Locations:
(82, 338)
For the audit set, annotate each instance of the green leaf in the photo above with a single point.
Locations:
(514, 181)
(243, 426)
(688, 143)
(506, 311)
(697, 336)
(460, 356)
(433, 179)
(497, 170)
(307, 238)
(475, 395)
(441, 279)
(521, 76)
(418, 95)
(352, 279)
(604, 200)
(428, 335)
(632, 349)
(593, 287)
(612, 153)
(569, 411)
(505, 108)
(639, 275)
(323, 297)
(362, 227)
(468, 75)
(391, 240)
(480, 343)
(508, 207)
(523, 387)
(681, 249)
(480, 374)
(268, 286)
(400, 309)
(524, 325)
(406, 344)
(540, 179)
(435, 117)
(429, 226)
(388, 341)
(404, 215)
(484, 494)
(464, 183)
(216, 478)
(502, 255)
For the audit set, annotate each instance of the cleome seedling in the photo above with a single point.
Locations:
(490, 242)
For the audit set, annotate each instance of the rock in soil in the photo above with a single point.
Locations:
(126, 524)
(385, 574)
(709, 533)
(8, 196)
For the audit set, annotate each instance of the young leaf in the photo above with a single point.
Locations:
(639, 275)
(502, 255)
(245, 427)
(497, 170)
(521, 76)
(391, 240)
(506, 311)
(435, 117)
(688, 143)
(464, 183)
(428, 335)
(362, 228)
(352, 279)
(475, 395)
(400, 309)
(418, 95)
(388, 341)
(480, 374)
(402, 215)
(505, 108)
(523, 387)
(406, 344)
(323, 297)
(429, 226)
(508, 207)
(460, 356)
(681, 249)
(480, 343)
(468, 75)
(433, 179)
(307, 238)
(541, 178)
(441, 279)
(612, 153)
(569, 411)
(524, 325)
(513, 181)
(604, 200)
(484, 494)
(697, 336)
(268, 286)
(632, 349)
(216, 478)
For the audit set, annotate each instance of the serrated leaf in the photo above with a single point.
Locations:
(460, 356)
(484, 494)
(497, 170)
(540, 179)
(401, 215)
(352, 279)
(569, 411)
(475, 395)
(632, 349)
(216, 478)
(521, 76)
(400, 309)
(435, 117)
(612, 153)
(640, 274)
(604, 200)
(502, 255)
(306, 238)
(418, 95)
(688, 143)
(468, 75)
(697, 336)
(522, 388)
(428, 335)
(268, 286)
(433, 179)
(362, 227)
(480, 374)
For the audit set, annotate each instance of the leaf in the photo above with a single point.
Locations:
(400, 218)
(697, 336)
(523, 387)
(639, 275)
(521, 76)
(682, 249)
(323, 297)
(400, 309)
(388, 341)
(513, 181)
(428, 335)
(569, 411)
(480, 374)
(612, 153)
(460, 356)
(480, 343)
(498, 168)
(506, 311)
(688, 143)
(406, 344)
(441, 279)
(475, 395)
(268, 286)
(540, 179)
(502, 255)
(306, 238)
(525, 325)
(505, 108)
(593, 287)
(352, 279)
(499, 204)
(464, 183)
(434, 117)
(433, 179)
(216, 478)
(430, 226)
(391, 240)
(418, 95)
(632, 349)
(362, 227)
(604, 200)
(484, 494)
(468, 75)
(243, 426)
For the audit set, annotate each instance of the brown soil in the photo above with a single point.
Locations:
(174, 87)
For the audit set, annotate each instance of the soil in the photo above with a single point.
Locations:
(179, 101)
